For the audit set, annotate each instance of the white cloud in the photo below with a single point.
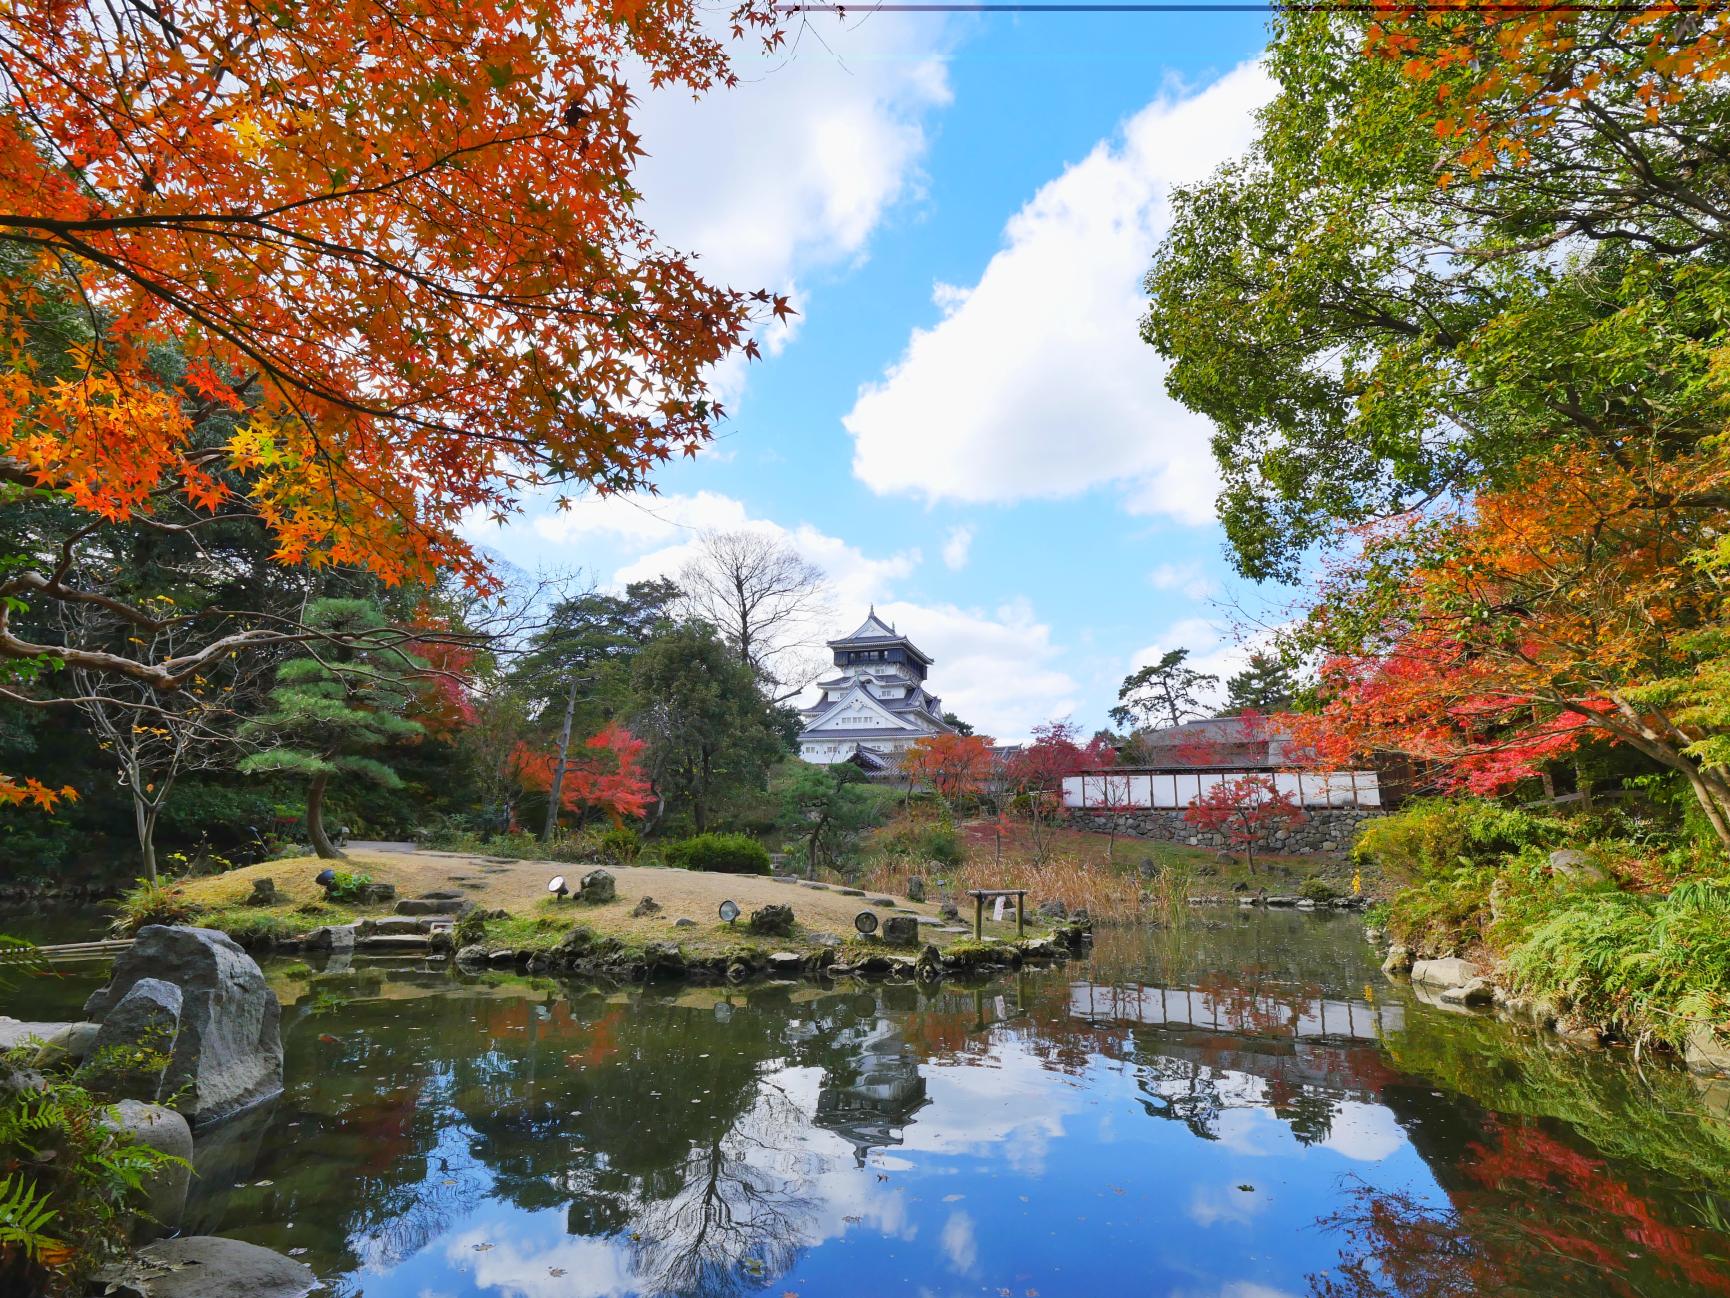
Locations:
(790, 171)
(960, 1243)
(957, 548)
(1189, 578)
(1366, 1133)
(1035, 382)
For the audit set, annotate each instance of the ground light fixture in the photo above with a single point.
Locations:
(556, 886)
(866, 922)
(325, 878)
(729, 910)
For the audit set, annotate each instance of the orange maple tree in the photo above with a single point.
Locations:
(1573, 604)
(955, 765)
(397, 245)
(605, 775)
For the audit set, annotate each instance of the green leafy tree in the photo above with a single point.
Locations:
(827, 805)
(1163, 693)
(1265, 684)
(709, 730)
(338, 705)
(956, 724)
(1375, 326)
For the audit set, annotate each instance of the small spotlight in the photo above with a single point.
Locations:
(729, 911)
(557, 888)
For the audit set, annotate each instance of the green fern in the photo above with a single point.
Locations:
(24, 1215)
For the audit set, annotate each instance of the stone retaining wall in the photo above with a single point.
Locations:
(1324, 832)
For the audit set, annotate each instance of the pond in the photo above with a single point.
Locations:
(1243, 1108)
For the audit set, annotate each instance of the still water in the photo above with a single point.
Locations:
(1242, 1109)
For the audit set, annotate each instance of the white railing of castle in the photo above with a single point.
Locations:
(1144, 790)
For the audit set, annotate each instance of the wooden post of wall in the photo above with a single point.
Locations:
(978, 917)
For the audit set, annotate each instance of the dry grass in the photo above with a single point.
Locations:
(520, 887)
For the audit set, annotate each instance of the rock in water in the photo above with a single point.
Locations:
(1449, 972)
(901, 930)
(773, 919)
(597, 886)
(335, 938)
(165, 1131)
(134, 1048)
(228, 1054)
(207, 1266)
(1399, 960)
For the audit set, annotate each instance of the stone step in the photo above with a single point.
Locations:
(434, 906)
(394, 942)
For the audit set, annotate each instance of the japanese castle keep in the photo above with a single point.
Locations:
(875, 705)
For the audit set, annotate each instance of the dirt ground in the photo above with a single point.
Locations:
(520, 887)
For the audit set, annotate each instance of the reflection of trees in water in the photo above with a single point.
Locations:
(1531, 1215)
(740, 1216)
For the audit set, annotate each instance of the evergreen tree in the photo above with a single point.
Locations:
(708, 727)
(1264, 685)
(334, 707)
(1162, 693)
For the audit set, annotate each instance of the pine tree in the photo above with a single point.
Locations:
(1264, 685)
(332, 708)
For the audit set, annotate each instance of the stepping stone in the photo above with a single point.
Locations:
(851, 892)
(394, 942)
(883, 901)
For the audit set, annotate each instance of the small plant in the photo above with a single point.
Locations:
(1317, 890)
(347, 887)
(720, 853)
(470, 928)
(621, 845)
(150, 901)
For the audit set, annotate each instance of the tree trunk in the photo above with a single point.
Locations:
(144, 820)
(556, 790)
(315, 821)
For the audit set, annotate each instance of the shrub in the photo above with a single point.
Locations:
(1645, 966)
(621, 844)
(1432, 837)
(1317, 890)
(470, 928)
(720, 853)
(922, 840)
(149, 902)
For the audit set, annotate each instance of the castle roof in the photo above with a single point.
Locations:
(875, 633)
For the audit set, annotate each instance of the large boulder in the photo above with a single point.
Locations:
(228, 1054)
(165, 1131)
(207, 1266)
(597, 887)
(134, 1047)
(1399, 960)
(1449, 972)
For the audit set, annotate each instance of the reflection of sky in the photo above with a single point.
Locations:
(1013, 1176)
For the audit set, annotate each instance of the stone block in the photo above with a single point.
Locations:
(1448, 972)
(901, 930)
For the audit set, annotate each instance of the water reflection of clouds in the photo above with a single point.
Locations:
(565, 1268)
(1366, 1133)
(1212, 1204)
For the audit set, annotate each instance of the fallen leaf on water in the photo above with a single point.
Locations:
(555, 1270)
(854, 1220)
(328, 1039)
(296, 1252)
(482, 1248)
(1247, 1189)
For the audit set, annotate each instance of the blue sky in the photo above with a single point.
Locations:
(962, 425)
